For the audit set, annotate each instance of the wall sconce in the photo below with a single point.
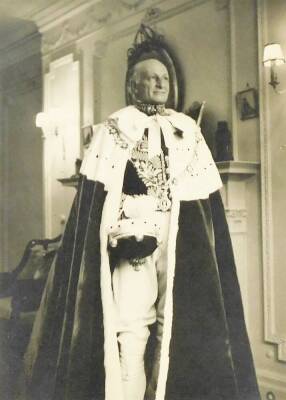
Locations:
(273, 56)
(49, 121)
(42, 121)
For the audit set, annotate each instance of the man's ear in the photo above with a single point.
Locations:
(134, 86)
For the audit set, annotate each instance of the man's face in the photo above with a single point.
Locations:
(151, 82)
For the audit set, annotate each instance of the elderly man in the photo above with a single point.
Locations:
(146, 249)
(140, 292)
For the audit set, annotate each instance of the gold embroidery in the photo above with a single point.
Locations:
(111, 125)
(153, 173)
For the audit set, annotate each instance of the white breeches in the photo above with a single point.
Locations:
(139, 299)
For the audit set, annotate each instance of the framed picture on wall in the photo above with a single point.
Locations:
(247, 103)
(87, 134)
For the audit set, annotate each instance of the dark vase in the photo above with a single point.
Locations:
(223, 142)
(78, 163)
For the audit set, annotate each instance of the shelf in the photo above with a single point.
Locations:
(69, 182)
(244, 168)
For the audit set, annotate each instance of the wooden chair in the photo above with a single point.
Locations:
(20, 296)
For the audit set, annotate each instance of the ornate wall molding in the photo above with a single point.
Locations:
(109, 15)
(59, 12)
(151, 15)
(273, 382)
(236, 213)
(237, 222)
(131, 4)
(66, 35)
(52, 16)
(270, 332)
(97, 17)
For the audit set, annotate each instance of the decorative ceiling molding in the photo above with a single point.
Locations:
(50, 17)
(152, 14)
(66, 36)
(131, 4)
(97, 16)
(60, 12)
(110, 14)
(66, 21)
(91, 20)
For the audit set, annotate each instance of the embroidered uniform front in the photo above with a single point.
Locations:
(149, 176)
(139, 285)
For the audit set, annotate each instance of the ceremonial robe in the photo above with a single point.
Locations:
(73, 353)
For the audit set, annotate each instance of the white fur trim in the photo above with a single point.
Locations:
(113, 381)
(193, 169)
(191, 163)
(105, 162)
(168, 309)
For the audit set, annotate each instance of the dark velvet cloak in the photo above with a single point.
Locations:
(209, 353)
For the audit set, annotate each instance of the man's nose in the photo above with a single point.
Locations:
(159, 82)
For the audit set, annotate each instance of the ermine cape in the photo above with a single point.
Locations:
(73, 352)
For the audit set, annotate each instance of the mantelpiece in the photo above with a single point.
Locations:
(234, 175)
(243, 169)
(69, 182)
